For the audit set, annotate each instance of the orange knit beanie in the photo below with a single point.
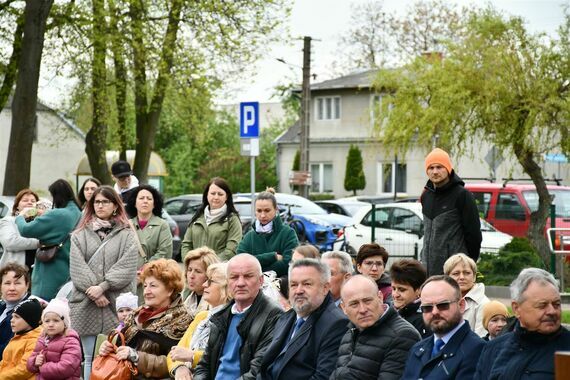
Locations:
(439, 156)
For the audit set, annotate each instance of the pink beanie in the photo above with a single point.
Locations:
(60, 307)
(439, 156)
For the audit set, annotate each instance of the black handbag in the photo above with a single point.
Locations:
(46, 253)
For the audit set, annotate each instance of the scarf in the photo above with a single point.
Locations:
(263, 229)
(147, 313)
(200, 337)
(102, 227)
(212, 216)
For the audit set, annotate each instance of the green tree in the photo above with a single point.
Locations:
(499, 84)
(153, 49)
(18, 162)
(354, 178)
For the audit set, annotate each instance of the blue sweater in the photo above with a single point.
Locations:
(229, 361)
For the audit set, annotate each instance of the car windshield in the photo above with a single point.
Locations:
(561, 201)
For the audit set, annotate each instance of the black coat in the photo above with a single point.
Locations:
(313, 350)
(456, 360)
(451, 224)
(378, 352)
(522, 355)
(256, 331)
(412, 313)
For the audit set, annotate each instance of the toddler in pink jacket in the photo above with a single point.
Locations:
(57, 355)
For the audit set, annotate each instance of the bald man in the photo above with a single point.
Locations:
(377, 345)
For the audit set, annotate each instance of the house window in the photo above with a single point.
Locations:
(328, 108)
(376, 107)
(390, 174)
(321, 178)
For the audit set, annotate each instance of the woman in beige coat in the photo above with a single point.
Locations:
(463, 269)
(103, 264)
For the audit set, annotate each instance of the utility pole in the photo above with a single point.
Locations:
(305, 112)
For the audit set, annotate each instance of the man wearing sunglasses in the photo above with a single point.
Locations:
(453, 351)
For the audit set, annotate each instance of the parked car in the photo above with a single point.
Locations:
(182, 208)
(320, 228)
(342, 206)
(508, 207)
(176, 237)
(399, 229)
(6, 204)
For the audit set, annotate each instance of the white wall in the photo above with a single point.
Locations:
(55, 154)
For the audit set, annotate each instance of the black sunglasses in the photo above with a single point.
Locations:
(441, 306)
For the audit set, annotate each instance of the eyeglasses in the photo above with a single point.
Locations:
(441, 306)
(370, 264)
(211, 281)
(102, 202)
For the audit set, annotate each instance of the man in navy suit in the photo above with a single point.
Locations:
(452, 352)
(306, 338)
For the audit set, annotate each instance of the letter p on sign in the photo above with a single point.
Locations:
(249, 120)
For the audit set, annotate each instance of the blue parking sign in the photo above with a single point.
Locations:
(249, 119)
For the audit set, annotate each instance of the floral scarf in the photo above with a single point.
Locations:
(102, 227)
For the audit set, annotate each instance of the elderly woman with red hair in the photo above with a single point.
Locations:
(152, 329)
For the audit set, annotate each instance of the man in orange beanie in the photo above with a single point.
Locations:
(451, 218)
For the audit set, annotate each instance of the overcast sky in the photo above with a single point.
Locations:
(325, 21)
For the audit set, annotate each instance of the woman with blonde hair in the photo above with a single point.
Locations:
(463, 269)
(184, 357)
(270, 240)
(196, 264)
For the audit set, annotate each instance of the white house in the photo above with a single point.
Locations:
(58, 147)
(342, 114)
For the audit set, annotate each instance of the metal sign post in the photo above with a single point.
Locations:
(249, 140)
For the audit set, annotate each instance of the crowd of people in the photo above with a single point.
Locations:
(258, 306)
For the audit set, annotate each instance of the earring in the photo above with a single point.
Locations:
(114, 212)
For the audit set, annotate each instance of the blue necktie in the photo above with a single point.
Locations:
(298, 325)
(439, 343)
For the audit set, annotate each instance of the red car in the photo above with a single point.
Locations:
(508, 207)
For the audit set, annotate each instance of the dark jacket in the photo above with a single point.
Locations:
(282, 240)
(451, 224)
(412, 313)
(378, 352)
(313, 350)
(457, 359)
(5, 329)
(256, 331)
(522, 355)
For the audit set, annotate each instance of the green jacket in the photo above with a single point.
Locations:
(155, 238)
(282, 240)
(222, 236)
(51, 228)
